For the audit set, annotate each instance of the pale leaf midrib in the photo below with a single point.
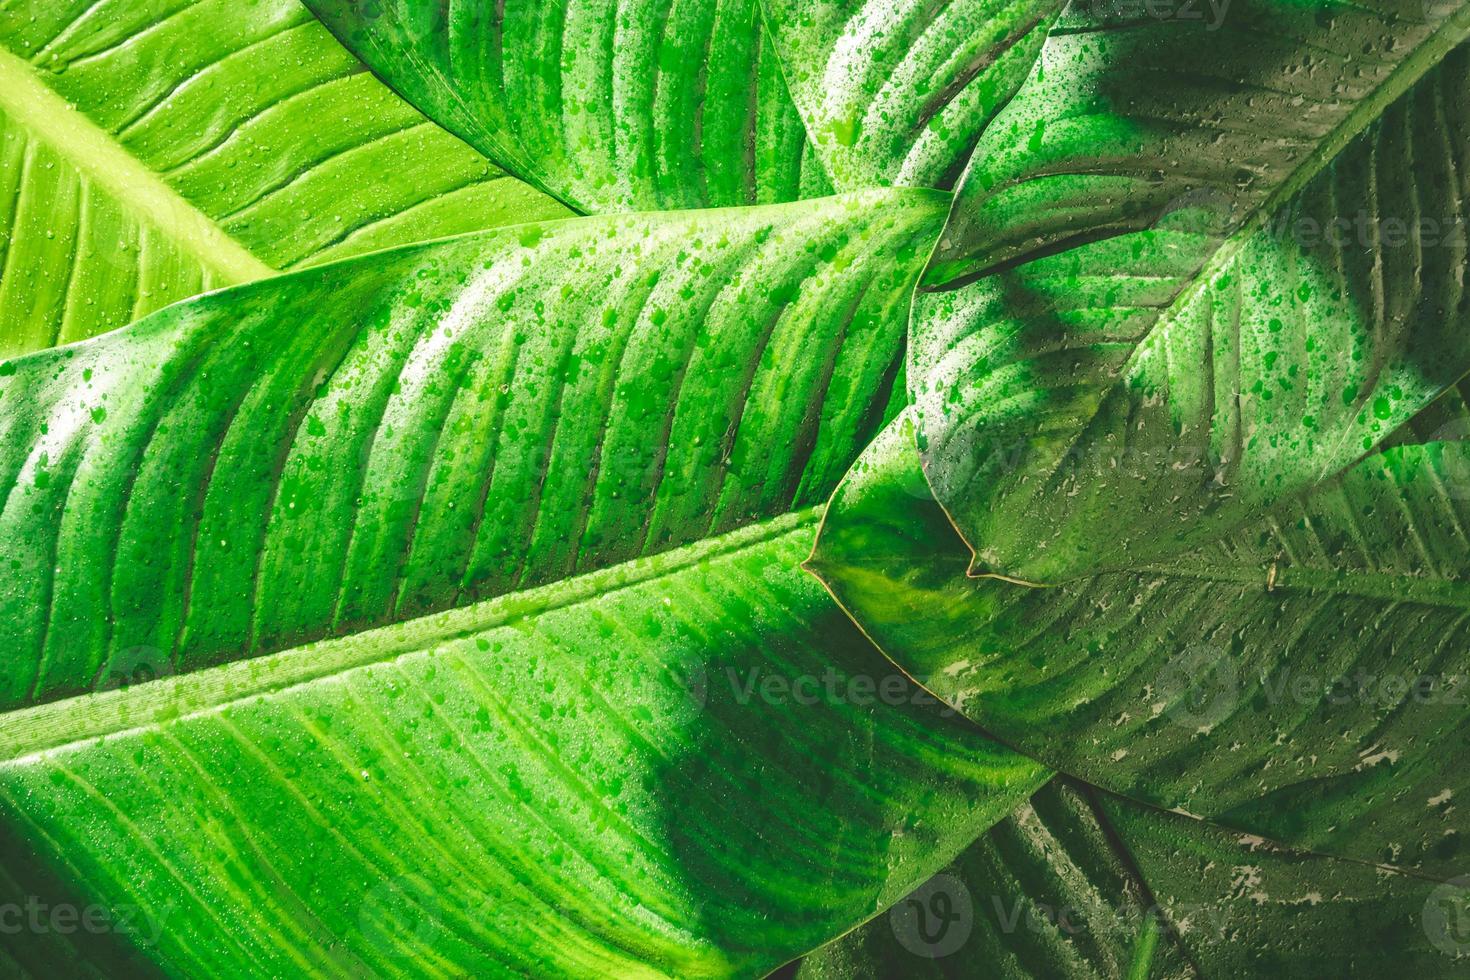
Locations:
(27, 732)
(104, 162)
(1388, 586)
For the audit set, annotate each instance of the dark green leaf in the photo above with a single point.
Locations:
(1133, 399)
(1132, 106)
(1080, 884)
(1304, 679)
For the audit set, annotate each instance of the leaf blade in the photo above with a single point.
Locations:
(531, 87)
(153, 152)
(1069, 881)
(1227, 684)
(408, 452)
(611, 814)
(899, 94)
(1197, 365)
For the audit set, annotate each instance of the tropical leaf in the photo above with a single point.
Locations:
(151, 150)
(1078, 883)
(1129, 108)
(1303, 679)
(399, 434)
(438, 612)
(608, 106)
(1129, 400)
(573, 780)
(576, 763)
(1045, 893)
(899, 92)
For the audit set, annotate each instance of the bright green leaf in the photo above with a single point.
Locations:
(398, 434)
(899, 91)
(608, 106)
(151, 150)
(592, 778)
(604, 725)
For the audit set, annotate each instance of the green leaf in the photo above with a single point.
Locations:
(1130, 108)
(588, 778)
(603, 725)
(1126, 401)
(150, 150)
(899, 91)
(1081, 884)
(607, 106)
(1045, 893)
(381, 438)
(1303, 679)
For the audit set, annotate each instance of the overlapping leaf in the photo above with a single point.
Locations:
(476, 558)
(153, 150)
(567, 781)
(899, 92)
(619, 106)
(1302, 679)
(1215, 412)
(588, 773)
(382, 438)
(608, 106)
(1127, 400)
(1082, 884)
(1131, 106)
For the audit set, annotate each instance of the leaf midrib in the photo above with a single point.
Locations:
(27, 100)
(35, 730)
(1399, 587)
